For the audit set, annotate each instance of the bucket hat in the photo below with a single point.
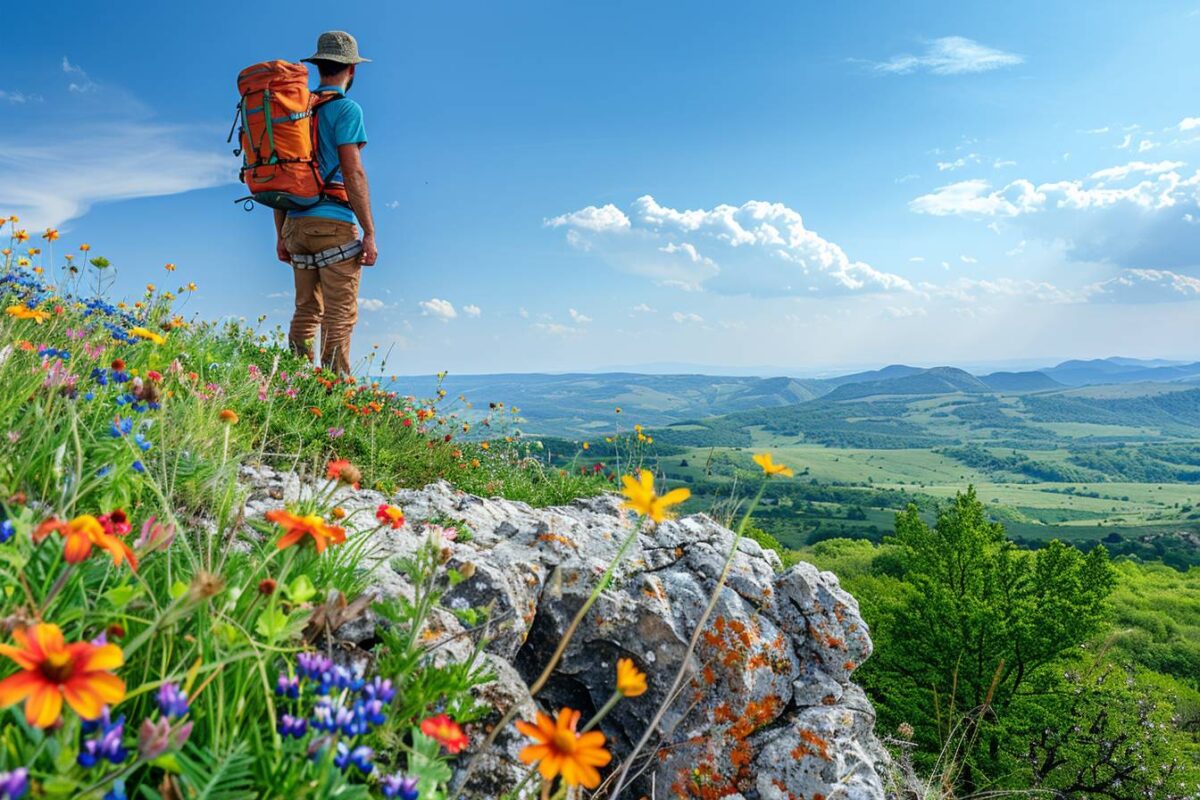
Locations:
(337, 46)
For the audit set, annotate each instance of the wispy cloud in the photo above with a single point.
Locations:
(472, 310)
(79, 82)
(950, 55)
(58, 176)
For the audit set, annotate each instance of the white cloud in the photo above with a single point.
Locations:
(579, 319)
(371, 304)
(916, 259)
(755, 248)
(523, 313)
(977, 198)
(472, 310)
(57, 176)
(642, 308)
(80, 84)
(18, 98)
(1002, 163)
(1104, 129)
(1128, 140)
(901, 312)
(1145, 286)
(441, 309)
(969, 259)
(555, 328)
(1130, 215)
(1145, 144)
(681, 317)
(393, 204)
(951, 55)
(604, 218)
(1189, 123)
(912, 176)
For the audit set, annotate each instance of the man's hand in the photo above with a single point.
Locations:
(282, 252)
(370, 253)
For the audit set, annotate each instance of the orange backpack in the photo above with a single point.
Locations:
(278, 138)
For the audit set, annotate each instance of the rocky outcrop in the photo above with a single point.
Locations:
(769, 709)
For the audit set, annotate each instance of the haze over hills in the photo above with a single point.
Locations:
(579, 404)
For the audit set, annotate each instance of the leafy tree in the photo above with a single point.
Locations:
(980, 626)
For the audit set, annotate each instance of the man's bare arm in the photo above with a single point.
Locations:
(281, 250)
(360, 198)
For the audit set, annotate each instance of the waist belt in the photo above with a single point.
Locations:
(334, 255)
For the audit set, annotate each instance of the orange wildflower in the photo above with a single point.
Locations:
(343, 471)
(297, 527)
(631, 682)
(50, 235)
(228, 416)
(85, 532)
(559, 750)
(53, 671)
(448, 733)
(390, 515)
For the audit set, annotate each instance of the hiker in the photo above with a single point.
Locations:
(321, 241)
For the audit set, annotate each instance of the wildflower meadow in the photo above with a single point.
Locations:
(156, 642)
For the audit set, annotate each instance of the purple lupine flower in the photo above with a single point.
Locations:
(312, 666)
(379, 689)
(322, 718)
(172, 701)
(154, 738)
(358, 757)
(14, 784)
(107, 745)
(370, 711)
(398, 787)
(295, 727)
(286, 686)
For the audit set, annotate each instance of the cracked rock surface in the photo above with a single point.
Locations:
(768, 709)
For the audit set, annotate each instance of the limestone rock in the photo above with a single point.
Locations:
(767, 709)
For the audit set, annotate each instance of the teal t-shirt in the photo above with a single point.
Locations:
(339, 122)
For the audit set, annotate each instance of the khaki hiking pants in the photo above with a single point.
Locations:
(327, 297)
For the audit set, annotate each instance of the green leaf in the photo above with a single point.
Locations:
(301, 589)
(60, 785)
(271, 623)
(427, 764)
(178, 589)
(169, 762)
(120, 596)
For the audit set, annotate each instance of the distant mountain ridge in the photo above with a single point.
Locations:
(584, 404)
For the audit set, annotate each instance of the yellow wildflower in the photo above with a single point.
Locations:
(641, 497)
(769, 467)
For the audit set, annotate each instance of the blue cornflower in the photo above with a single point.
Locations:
(172, 701)
(117, 792)
(104, 471)
(138, 466)
(121, 426)
(398, 787)
(141, 442)
(100, 375)
(14, 784)
(7, 529)
(89, 396)
(358, 757)
(292, 726)
(107, 744)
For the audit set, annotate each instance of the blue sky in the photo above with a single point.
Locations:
(572, 186)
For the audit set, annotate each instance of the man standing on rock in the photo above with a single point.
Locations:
(321, 242)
